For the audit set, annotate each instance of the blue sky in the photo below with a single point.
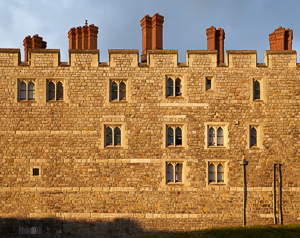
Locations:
(247, 23)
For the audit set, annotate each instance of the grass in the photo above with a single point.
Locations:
(288, 231)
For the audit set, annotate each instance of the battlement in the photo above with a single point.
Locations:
(154, 58)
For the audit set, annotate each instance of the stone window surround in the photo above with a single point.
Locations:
(185, 171)
(124, 142)
(216, 125)
(183, 127)
(118, 80)
(18, 88)
(35, 167)
(213, 83)
(259, 135)
(183, 77)
(263, 89)
(216, 162)
(55, 81)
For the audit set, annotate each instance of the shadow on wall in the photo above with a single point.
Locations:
(51, 227)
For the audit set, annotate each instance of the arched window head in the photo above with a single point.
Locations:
(256, 90)
(22, 91)
(170, 137)
(220, 137)
(114, 91)
(211, 137)
(51, 91)
(59, 91)
(253, 137)
(122, 91)
(178, 87)
(117, 134)
(178, 134)
(108, 136)
(170, 87)
(31, 91)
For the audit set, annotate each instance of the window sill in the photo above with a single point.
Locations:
(216, 147)
(113, 147)
(27, 101)
(174, 183)
(116, 101)
(258, 100)
(55, 101)
(176, 97)
(254, 148)
(218, 184)
(175, 147)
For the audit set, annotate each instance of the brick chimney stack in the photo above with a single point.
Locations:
(36, 42)
(152, 34)
(83, 37)
(281, 39)
(215, 41)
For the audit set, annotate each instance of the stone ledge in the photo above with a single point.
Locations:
(121, 51)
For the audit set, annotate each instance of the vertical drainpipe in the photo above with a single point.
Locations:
(280, 195)
(274, 194)
(244, 163)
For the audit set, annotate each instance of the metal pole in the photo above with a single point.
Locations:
(244, 163)
(280, 195)
(244, 199)
(274, 194)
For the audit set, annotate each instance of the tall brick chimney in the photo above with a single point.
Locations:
(83, 37)
(215, 41)
(152, 34)
(36, 42)
(281, 39)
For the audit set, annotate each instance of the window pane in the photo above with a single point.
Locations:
(211, 173)
(51, 91)
(211, 138)
(220, 137)
(208, 84)
(170, 87)
(178, 134)
(59, 91)
(23, 91)
(170, 173)
(220, 173)
(178, 87)
(122, 91)
(170, 136)
(178, 172)
(117, 136)
(31, 91)
(253, 137)
(256, 90)
(114, 91)
(108, 136)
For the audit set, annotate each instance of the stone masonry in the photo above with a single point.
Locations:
(86, 187)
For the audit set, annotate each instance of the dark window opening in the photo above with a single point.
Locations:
(256, 90)
(178, 87)
(35, 172)
(208, 84)
(51, 91)
(59, 91)
(169, 87)
(253, 137)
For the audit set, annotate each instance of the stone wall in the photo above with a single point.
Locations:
(82, 183)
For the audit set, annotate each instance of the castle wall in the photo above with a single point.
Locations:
(82, 179)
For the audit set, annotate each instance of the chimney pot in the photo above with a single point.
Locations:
(215, 41)
(281, 39)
